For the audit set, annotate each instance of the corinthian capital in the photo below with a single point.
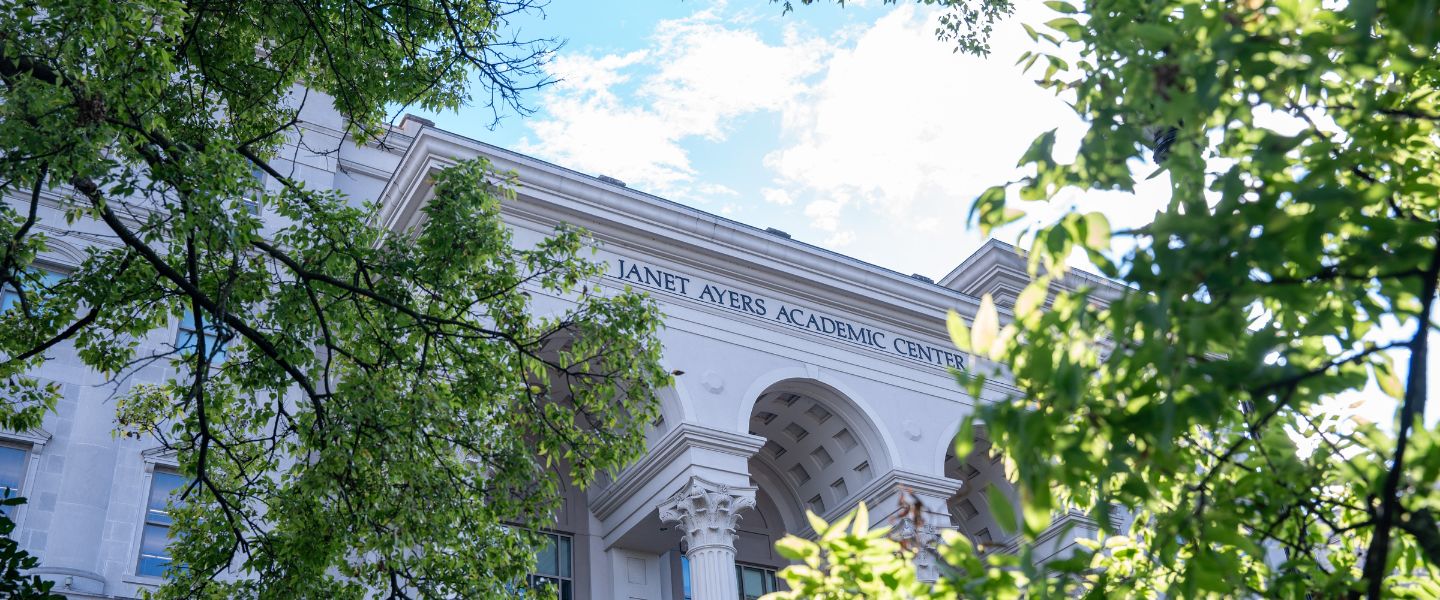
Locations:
(706, 512)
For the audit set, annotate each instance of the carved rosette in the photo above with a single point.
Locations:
(707, 512)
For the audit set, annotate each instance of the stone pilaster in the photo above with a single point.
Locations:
(706, 514)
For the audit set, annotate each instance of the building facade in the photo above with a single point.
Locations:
(808, 381)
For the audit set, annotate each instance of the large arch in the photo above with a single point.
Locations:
(846, 402)
(970, 511)
(821, 450)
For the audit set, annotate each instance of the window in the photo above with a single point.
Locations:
(12, 473)
(753, 581)
(214, 342)
(155, 538)
(252, 203)
(553, 566)
(9, 298)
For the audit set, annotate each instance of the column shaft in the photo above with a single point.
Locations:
(712, 573)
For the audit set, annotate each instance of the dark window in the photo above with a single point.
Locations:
(553, 566)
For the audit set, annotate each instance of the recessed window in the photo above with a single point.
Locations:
(755, 581)
(12, 473)
(9, 298)
(155, 538)
(554, 567)
(215, 337)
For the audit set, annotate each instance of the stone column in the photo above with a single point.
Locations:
(706, 514)
(922, 541)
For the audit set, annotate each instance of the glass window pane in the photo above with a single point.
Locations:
(184, 339)
(12, 468)
(152, 566)
(154, 557)
(154, 540)
(751, 583)
(685, 576)
(545, 559)
(162, 485)
(564, 556)
(12, 474)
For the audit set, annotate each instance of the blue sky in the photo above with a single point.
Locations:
(850, 128)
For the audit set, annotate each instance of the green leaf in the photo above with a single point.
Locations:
(795, 548)
(862, 520)
(1032, 298)
(1154, 35)
(959, 334)
(1061, 7)
(1388, 381)
(986, 325)
(1097, 232)
(1001, 508)
(1067, 26)
(965, 439)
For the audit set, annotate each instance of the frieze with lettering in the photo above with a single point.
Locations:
(692, 288)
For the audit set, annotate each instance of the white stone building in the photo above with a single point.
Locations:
(811, 381)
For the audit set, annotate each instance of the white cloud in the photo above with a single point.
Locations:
(700, 74)
(840, 239)
(912, 132)
(882, 129)
(777, 196)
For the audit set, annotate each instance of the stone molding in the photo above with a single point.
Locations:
(684, 437)
(706, 513)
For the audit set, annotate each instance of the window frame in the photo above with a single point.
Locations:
(155, 459)
(530, 578)
(33, 443)
(772, 572)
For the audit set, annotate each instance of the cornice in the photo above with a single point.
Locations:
(625, 218)
(1002, 270)
(684, 437)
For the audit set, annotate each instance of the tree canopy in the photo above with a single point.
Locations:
(358, 410)
(1290, 277)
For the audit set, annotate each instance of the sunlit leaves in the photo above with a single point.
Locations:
(391, 409)
(986, 327)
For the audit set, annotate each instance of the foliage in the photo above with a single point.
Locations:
(966, 23)
(368, 410)
(1291, 276)
(14, 559)
(849, 560)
